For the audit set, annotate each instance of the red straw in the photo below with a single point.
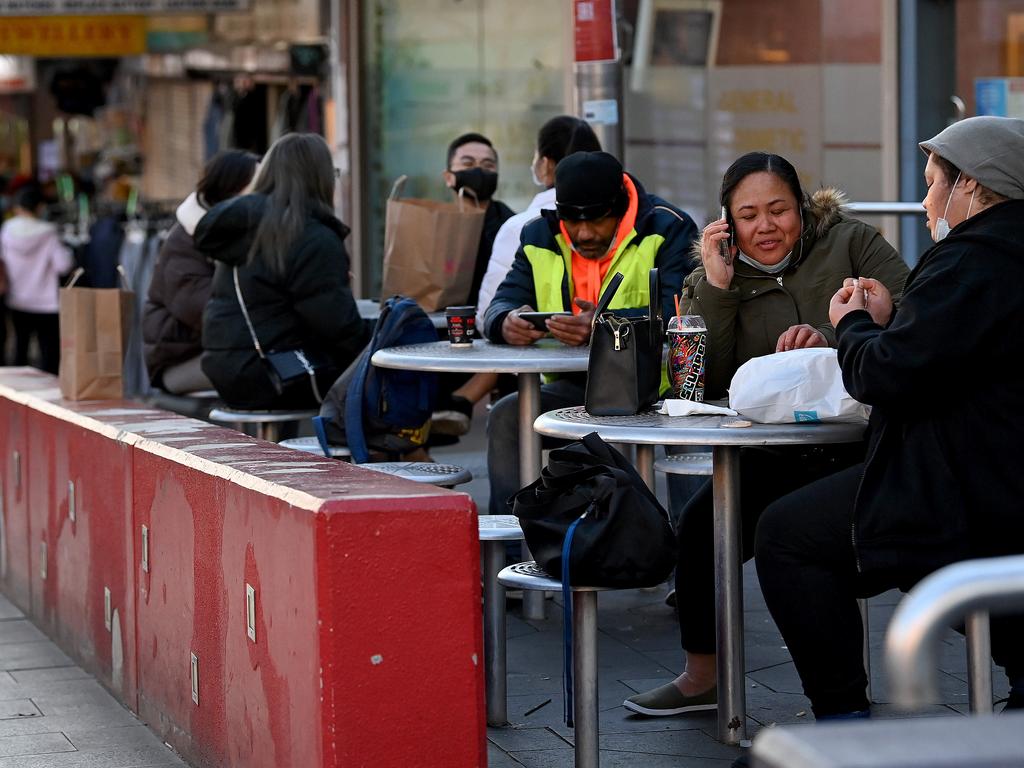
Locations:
(678, 313)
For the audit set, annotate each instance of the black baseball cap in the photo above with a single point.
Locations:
(588, 185)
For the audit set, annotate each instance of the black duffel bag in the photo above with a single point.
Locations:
(623, 537)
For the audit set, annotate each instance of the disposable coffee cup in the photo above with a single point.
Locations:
(687, 347)
(461, 326)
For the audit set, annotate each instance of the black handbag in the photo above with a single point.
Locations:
(283, 368)
(624, 371)
(592, 521)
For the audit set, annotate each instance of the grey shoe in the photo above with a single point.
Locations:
(668, 700)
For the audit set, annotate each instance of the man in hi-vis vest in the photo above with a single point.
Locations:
(604, 222)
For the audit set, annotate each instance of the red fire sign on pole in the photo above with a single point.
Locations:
(594, 30)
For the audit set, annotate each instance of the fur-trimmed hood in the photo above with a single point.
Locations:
(822, 210)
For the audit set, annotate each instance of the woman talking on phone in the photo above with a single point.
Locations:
(766, 274)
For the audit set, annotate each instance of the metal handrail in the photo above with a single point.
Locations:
(950, 594)
(885, 209)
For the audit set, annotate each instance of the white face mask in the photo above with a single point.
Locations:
(941, 225)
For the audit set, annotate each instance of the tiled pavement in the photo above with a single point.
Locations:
(53, 715)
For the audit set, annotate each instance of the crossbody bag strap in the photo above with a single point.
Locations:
(245, 314)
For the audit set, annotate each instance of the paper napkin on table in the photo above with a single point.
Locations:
(693, 408)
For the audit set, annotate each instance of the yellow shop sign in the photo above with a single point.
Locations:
(58, 36)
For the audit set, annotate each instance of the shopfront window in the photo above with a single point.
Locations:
(802, 79)
(434, 70)
(990, 57)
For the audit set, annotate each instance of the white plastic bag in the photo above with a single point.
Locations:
(787, 387)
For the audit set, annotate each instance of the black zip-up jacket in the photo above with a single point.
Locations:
(309, 307)
(944, 475)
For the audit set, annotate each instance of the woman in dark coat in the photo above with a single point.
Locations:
(172, 322)
(942, 478)
(287, 249)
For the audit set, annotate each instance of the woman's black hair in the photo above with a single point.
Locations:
(760, 162)
(227, 174)
(297, 177)
(561, 136)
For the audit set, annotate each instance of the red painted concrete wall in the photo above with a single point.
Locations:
(368, 647)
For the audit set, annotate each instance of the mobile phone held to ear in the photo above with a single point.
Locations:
(539, 319)
(723, 245)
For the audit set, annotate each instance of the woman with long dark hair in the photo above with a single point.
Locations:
(785, 255)
(283, 277)
(172, 322)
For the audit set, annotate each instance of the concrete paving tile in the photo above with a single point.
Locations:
(498, 759)
(12, 709)
(15, 656)
(114, 757)
(75, 723)
(36, 744)
(686, 743)
(31, 677)
(91, 739)
(613, 759)
(20, 631)
(519, 739)
(9, 610)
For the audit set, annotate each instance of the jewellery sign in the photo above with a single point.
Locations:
(116, 7)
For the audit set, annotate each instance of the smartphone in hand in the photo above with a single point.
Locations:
(539, 319)
(723, 245)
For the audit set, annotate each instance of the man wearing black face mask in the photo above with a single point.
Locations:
(473, 167)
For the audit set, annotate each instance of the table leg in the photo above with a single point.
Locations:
(584, 678)
(494, 634)
(979, 663)
(645, 464)
(732, 710)
(529, 468)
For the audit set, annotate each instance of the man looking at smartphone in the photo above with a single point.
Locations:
(604, 222)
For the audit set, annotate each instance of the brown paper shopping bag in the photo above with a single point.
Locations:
(94, 327)
(430, 249)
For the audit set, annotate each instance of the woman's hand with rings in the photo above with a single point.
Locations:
(719, 272)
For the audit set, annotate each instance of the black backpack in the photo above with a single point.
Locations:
(384, 409)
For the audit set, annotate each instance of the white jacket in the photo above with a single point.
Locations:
(506, 243)
(35, 259)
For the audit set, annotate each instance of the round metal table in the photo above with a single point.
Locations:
(544, 356)
(726, 435)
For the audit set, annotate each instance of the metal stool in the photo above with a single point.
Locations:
(312, 445)
(266, 421)
(584, 653)
(495, 530)
(444, 475)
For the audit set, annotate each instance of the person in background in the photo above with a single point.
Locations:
(604, 222)
(3, 314)
(35, 259)
(787, 254)
(558, 137)
(172, 321)
(941, 482)
(472, 170)
(287, 249)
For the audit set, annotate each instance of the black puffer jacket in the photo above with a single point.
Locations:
(309, 307)
(172, 320)
(943, 478)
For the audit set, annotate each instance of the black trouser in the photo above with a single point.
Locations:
(46, 328)
(765, 475)
(809, 577)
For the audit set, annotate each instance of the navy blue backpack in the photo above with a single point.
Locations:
(383, 409)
